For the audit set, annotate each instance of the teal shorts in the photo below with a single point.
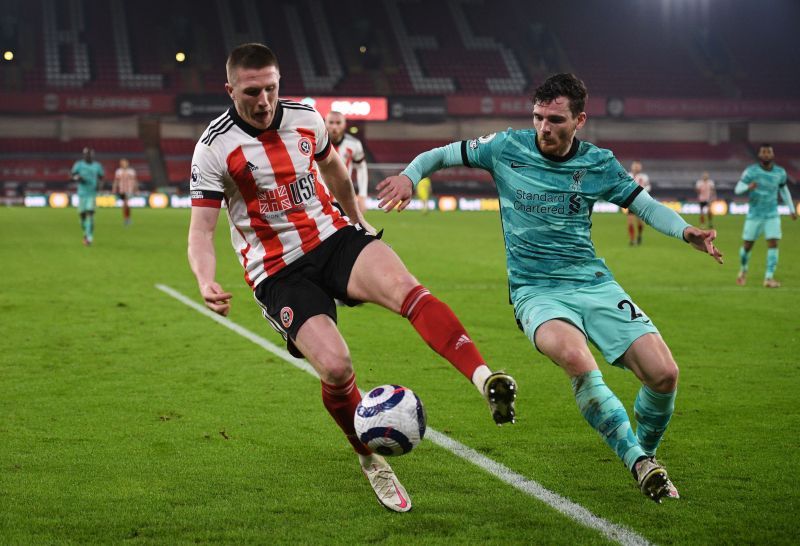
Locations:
(605, 314)
(754, 227)
(86, 203)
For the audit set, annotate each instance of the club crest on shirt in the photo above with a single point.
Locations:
(304, 145)
(287, 316)
(577, 177)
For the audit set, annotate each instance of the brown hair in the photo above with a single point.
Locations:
(252, 55)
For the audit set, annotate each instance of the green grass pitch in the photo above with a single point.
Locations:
(128, 417)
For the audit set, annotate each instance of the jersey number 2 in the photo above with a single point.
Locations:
(631, 307)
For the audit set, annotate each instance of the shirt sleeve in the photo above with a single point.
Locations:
(431, 161)
(321, 136)
(360, 167)
(744, 181)
(206, 179)
(358, 151)
(786, 196)
(656, 215)
(621, 188)
(477, 153)
(482, 152)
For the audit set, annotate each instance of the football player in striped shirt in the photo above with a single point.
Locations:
(125, 185)
(351, 150)
(299, 253)
(563, 294)
(635, 224)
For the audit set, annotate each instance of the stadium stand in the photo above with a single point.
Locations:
(78, 50)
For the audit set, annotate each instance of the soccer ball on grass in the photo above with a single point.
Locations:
(390, 420)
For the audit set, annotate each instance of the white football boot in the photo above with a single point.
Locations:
(390, 492)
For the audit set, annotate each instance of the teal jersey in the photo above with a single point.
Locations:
(546, 206)
(764, 198)
(90, 174)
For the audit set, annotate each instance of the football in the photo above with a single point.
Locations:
(390, 420)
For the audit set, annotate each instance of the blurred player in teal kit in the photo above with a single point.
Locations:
(763, 181)
(88, 173)
(563, 294)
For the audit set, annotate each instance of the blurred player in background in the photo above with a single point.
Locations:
(351, 151)
(88, 173)
(762, 182)
(424, 193)
(299, 252)
(706, 194)
(635, 224)
(563, 294)
(125, 185)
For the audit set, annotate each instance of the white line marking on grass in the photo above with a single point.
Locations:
(614, 532)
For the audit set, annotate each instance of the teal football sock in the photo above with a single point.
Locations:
(772, 262)
(606, 414)
(744, 258)
(652, 411)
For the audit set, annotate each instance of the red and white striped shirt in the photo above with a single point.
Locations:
(351, 150)
(277, 209)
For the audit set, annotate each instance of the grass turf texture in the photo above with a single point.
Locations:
(127, 416)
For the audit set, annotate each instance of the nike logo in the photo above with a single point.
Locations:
(515, 165)
(403, 501)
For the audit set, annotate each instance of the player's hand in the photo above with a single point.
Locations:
(703, 240)
(395, 192)
(794, 215)
(216, 298)
(751, 186)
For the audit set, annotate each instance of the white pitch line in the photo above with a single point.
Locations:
(612, 531)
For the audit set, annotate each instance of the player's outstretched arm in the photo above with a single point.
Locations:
(669, 222)
(787, 200)
(203, 261)
(396, 191)
(703, 240)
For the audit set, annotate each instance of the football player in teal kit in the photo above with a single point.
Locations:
(563, 294)
(88, 173)
(762, 182)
